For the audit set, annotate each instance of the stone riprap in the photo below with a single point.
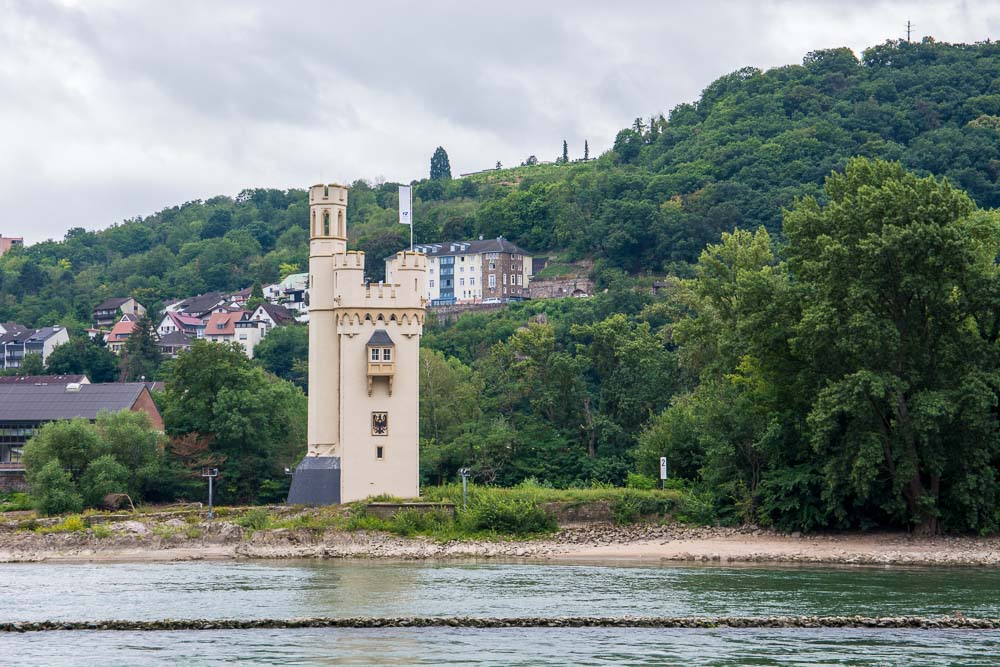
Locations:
(692, 622)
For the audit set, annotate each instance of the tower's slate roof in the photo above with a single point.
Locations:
(45, 402)
(380, 339)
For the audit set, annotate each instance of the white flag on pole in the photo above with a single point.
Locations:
(404, 205)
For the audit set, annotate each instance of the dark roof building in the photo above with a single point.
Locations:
(44, 379)
(26, 407)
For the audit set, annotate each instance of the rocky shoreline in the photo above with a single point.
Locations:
(175, 539)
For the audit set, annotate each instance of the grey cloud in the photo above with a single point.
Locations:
(188, 99)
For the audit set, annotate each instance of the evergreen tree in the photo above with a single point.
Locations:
(440, 166)
(499, 166)
(565, 154)
(256, 296)
(141, 356)
(586, 150)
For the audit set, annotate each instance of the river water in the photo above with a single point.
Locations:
(149, 591)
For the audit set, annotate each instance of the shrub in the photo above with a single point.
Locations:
(413, 522)
(255, 519)
(16, 502)
(502, 513)
(101, 531)
(637, 480)
(631, 506)
(104, 475)
(54, 491)
(71, 524)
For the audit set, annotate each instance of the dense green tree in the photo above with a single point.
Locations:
(896, 270)
(53, 490)
(31, 365)
(83, 356)
(440, 166)
(254, 422)
(285, 353)
(76, 463)
(141, 355)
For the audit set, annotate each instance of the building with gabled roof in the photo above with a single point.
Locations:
(120, 333)
(221, 327)
(108, 312)
(24, 408)
(202, 305)
(188, 324)
(173, 343)
(274, 316)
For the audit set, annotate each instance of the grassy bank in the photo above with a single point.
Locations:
(525, 511)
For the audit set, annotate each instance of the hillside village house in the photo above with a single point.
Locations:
(120, 333)
(173, 343)
(490, 271)
(25, 407)
(106, 314)
(17, 341)
(189, 325)
(9, 242)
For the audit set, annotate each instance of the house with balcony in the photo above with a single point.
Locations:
(189, 325)
(109, 312)
(17, 341)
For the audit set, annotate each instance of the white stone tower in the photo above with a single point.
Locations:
(364, 354)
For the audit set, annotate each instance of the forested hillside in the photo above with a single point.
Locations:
(734, 158)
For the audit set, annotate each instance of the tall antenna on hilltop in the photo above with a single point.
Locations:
(909, 29)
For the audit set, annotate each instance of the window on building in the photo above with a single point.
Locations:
(519, 279)
(493, 281)
(431, 283)
(375, 354)
(461, 281)
(472, 281)
(505, 279)
(512, 279)
(461, 269)
(386, 354)
(493, 266)
(380, 452)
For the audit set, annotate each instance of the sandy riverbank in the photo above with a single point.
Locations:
(133, 541)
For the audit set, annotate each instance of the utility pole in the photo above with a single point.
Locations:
(211, 474)
(909, 29)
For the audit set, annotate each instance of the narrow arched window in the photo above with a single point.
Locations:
(326, 223)
(340, 224)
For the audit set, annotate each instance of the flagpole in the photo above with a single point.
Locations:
(410, 197)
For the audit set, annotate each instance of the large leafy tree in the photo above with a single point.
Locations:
(897, 273)
(83, 356)
(254, 422)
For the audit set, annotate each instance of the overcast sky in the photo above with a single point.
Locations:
(110, 110)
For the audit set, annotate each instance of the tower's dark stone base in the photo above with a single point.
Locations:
(316, 481)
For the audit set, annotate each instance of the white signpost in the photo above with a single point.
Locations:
(663, 469)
